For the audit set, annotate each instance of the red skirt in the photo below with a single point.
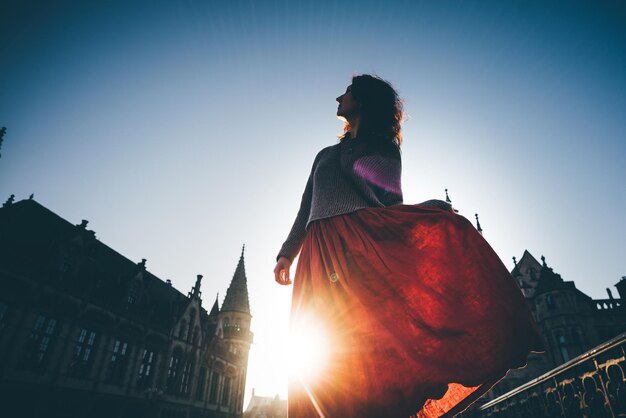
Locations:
(418, 315)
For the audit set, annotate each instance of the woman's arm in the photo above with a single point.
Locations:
(291, 246)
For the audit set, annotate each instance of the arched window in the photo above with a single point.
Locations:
(190, 331)
(185, 379)
(172, 371)
(226, 392)
(563, 346)
(146, 371)
(39, 341)
(192, 322)
(118, 362)
(202, 378)
(82, 358)
(215, 379)
(182, 331)
(195, 336)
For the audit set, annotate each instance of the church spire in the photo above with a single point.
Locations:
(216, 306)
(480, 230)
(237, 294)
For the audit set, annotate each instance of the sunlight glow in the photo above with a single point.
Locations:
(308, 349)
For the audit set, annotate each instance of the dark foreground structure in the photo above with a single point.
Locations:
(85, 332)
(591, 385)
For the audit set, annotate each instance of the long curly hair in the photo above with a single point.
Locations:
(381, 109)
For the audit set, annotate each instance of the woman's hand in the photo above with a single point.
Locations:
(281, 271)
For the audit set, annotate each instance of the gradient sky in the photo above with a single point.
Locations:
(182, 130)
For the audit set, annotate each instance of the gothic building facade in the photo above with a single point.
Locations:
(570, 322)
(86, 332)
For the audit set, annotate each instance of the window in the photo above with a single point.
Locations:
(186, 378)
(550, 302)
(119, 360)
(191, 334)
(172, 372)
(145, 368)
(82, 352)
(562, 343)
(182, 332)
(39, 341)
(226, 393)
(195, 335)
(201, 384)
(215, 378)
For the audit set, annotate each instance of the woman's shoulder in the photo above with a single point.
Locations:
(325, 152)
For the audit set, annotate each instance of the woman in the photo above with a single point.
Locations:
(418, 314)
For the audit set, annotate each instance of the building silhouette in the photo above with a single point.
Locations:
(570, 322)
(86, 332)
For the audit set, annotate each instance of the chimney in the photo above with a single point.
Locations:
(9, 201)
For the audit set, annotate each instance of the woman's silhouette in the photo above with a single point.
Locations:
(418, 314)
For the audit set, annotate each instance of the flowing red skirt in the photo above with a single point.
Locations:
(419, 314)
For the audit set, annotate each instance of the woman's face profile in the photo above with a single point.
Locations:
(347, 105)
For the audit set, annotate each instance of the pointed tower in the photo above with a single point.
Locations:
(234, 327)
(215, 310)
(236, 299)
(234, 316)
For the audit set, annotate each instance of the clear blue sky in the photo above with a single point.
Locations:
(182, 130)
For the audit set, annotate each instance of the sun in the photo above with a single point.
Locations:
(308, 348)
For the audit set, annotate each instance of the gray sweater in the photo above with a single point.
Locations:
(351, 175)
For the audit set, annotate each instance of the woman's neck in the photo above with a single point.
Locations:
(354, 126)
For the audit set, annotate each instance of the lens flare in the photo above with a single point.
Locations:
(309, 345)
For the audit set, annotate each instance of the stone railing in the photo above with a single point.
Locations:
(605, 304)
(590, 386)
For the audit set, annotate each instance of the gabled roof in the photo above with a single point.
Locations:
(33, 240)
(526, 265)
